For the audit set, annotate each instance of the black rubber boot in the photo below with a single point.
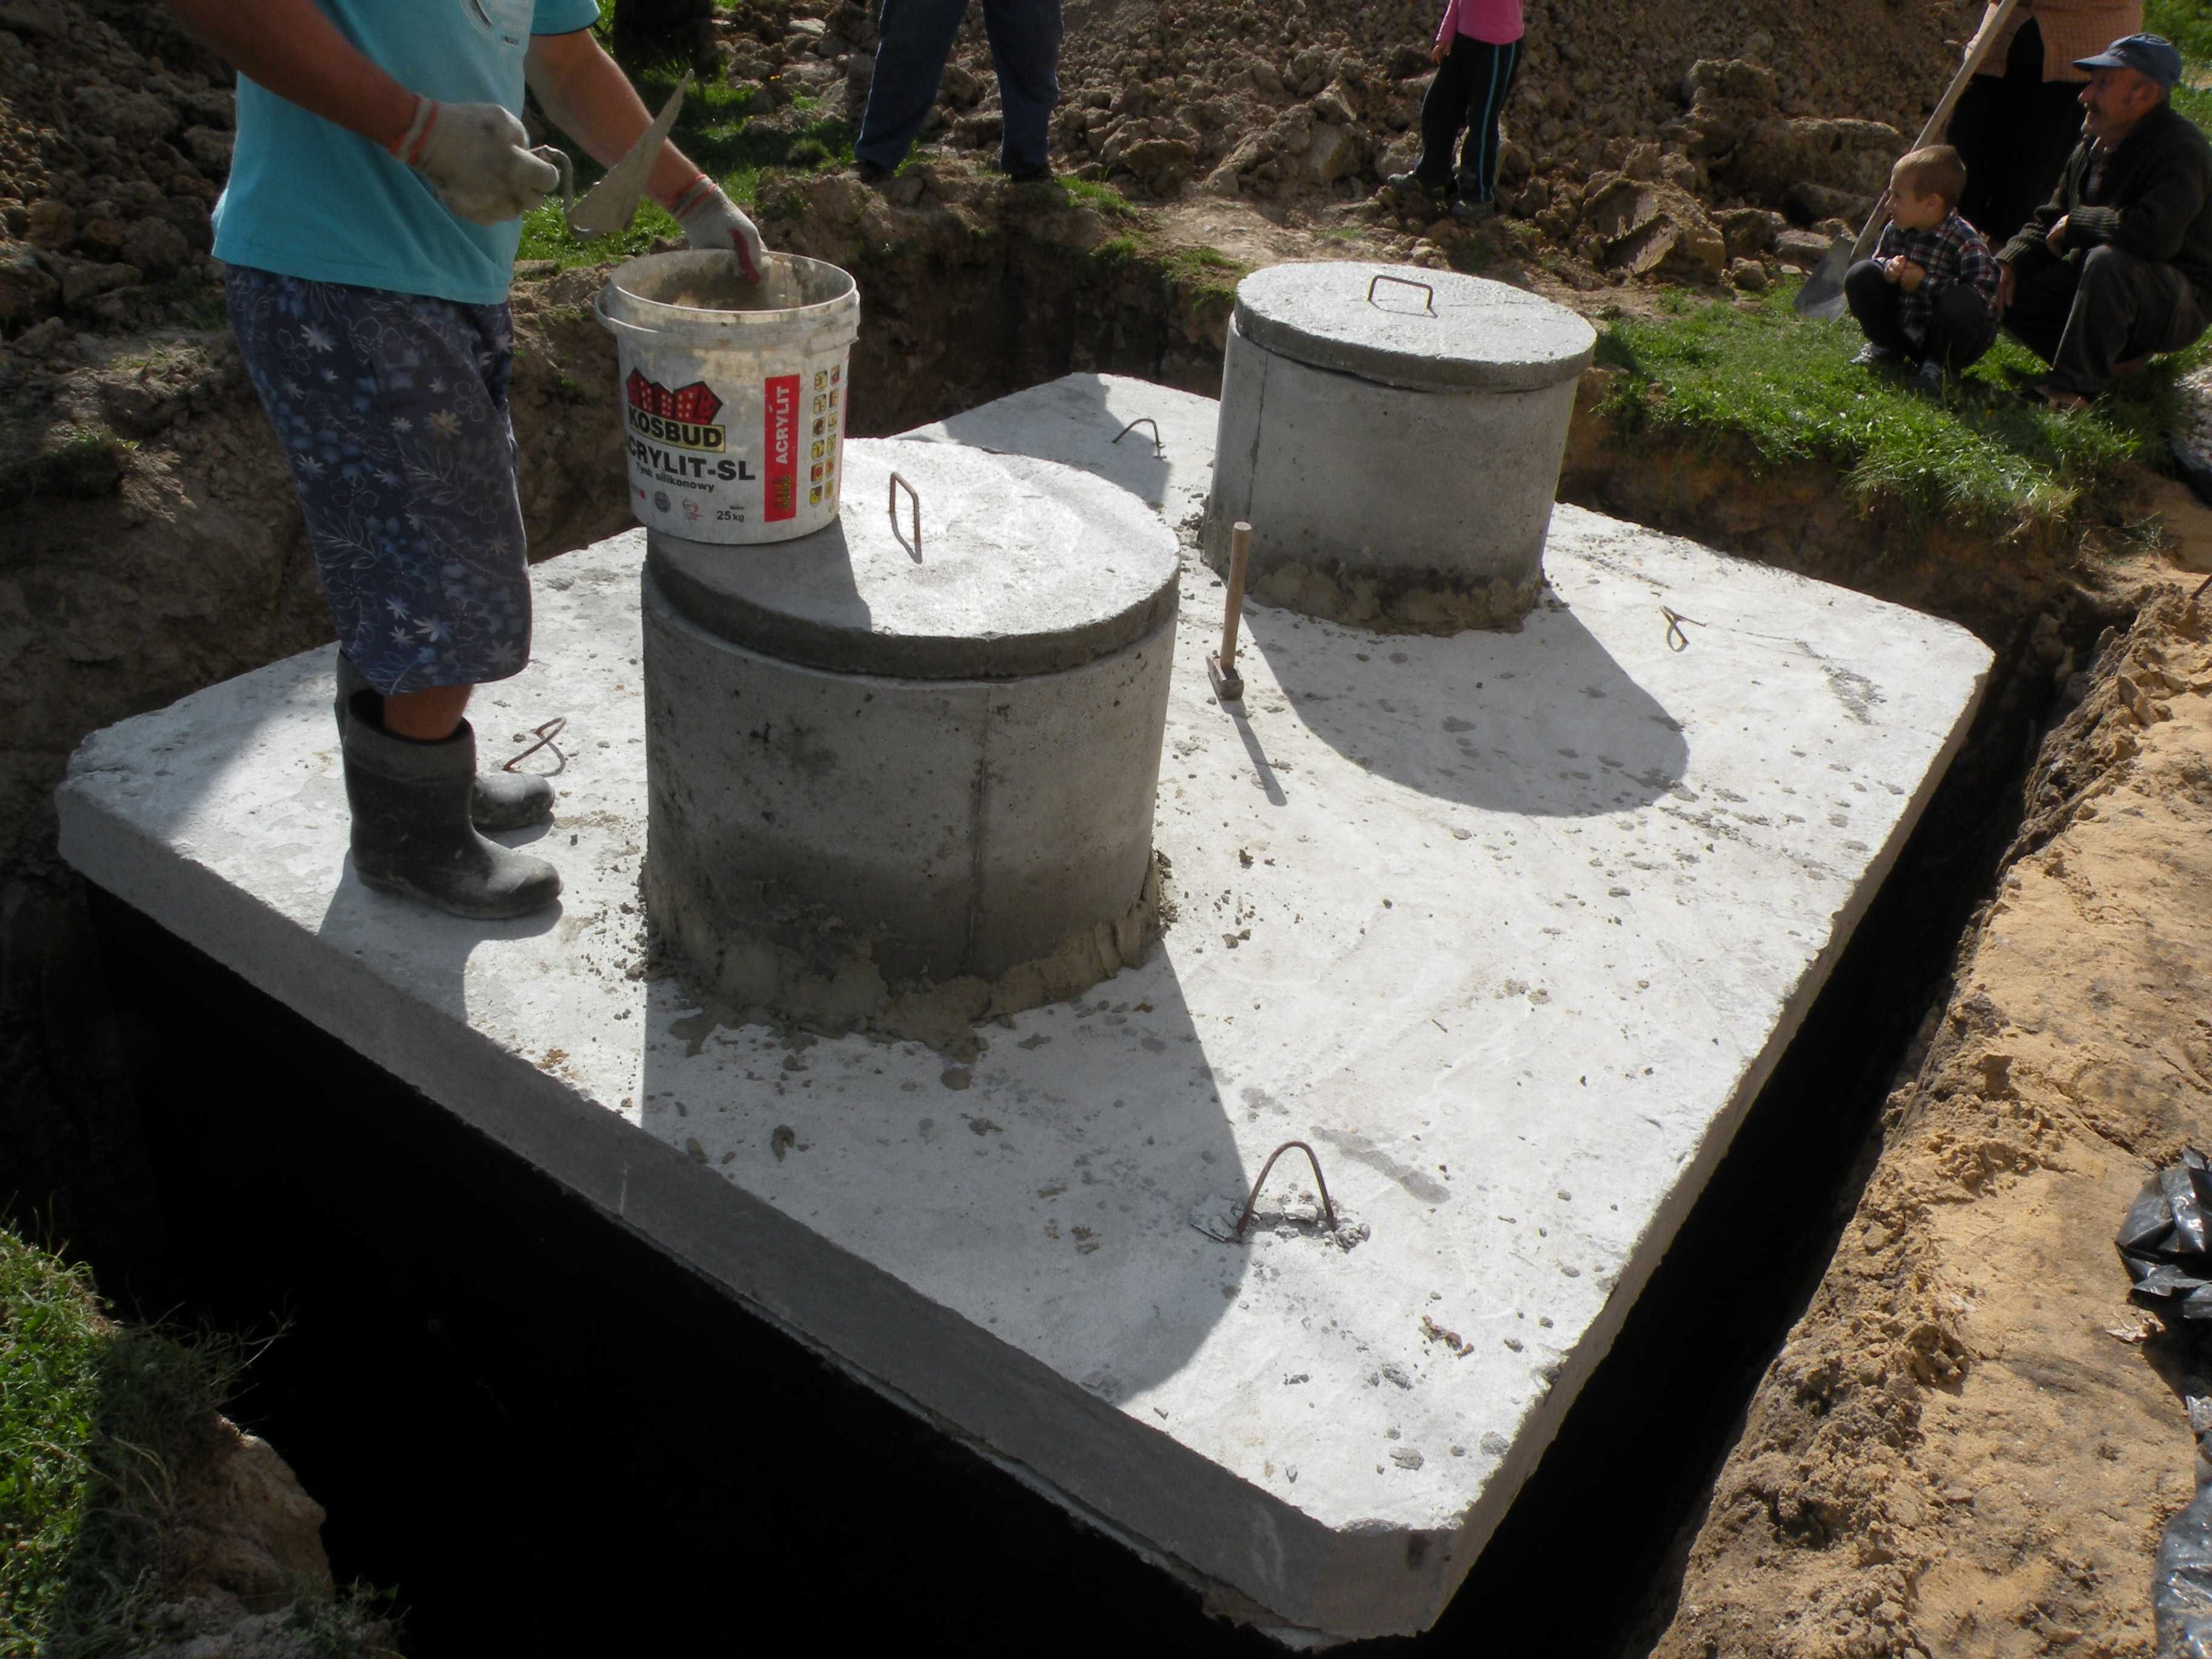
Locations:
(499, 802)
(411, 833)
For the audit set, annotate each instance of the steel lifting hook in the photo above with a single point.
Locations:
(1328, 1210)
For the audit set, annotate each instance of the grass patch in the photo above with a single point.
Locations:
(1099, 197)
(1205, 269)
(81, 462)
(1786, 387)
(719, 129)
(95, 1417)
(99, 1421)
(2188, 24)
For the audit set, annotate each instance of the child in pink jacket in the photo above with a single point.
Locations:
(1477, 52)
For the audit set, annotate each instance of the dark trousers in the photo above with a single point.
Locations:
(915, 39)
(2014, 131)
(2093, 310)
(1959, 325)
(1468, 90)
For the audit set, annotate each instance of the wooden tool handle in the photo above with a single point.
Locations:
(1240, 555)
(1976, 50)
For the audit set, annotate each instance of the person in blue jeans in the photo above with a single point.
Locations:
(369, 230)
(914, 38)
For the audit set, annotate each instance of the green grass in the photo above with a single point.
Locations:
(84, 462)
(716, 129)
(1205, 269)
(2188, 24)
(98, 1421)
(94, 1419)
(1785, 388)
(1099, 197)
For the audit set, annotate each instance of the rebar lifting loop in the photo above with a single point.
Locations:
(1328, 1210)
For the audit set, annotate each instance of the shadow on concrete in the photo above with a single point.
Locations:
(1543, 722)
(798, 596)
(1073, 421)
(1044, 1191)
(364, 924)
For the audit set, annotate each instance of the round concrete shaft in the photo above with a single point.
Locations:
(1397, 440)
(825, 836)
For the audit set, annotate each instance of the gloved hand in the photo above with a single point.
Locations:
(711, 220)
(477, 157)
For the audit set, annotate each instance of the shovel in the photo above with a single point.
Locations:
(1822, 295)
(611, 204)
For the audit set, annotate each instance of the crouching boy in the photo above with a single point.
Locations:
(1928, 295)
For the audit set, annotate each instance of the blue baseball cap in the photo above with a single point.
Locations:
(2147, 54)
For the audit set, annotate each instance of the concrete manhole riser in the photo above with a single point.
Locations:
(1394, 436)
(901, 772)
(821, 844)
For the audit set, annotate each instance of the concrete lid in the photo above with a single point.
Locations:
(1366, 320)
(1025, 567)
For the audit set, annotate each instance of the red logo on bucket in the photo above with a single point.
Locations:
(694, 405)
(780, 405)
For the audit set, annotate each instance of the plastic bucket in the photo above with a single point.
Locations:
(733, 396)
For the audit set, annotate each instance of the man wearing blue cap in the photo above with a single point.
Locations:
(2118, 265)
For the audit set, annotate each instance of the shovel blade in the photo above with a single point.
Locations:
(611, 204)
(1822, 296)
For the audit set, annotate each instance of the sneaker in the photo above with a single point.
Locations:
(1467, 210)
(1036, 175)
(1411, 184)
(1930, 378)
(874, 172)
(1871, 356)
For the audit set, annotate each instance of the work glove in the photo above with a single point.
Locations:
(712, 221)
(477, 157)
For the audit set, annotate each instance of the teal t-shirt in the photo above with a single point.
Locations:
(307, 198)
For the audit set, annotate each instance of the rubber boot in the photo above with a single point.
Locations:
(500, 800)
(411, 833)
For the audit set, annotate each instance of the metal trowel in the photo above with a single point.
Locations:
(611, 204)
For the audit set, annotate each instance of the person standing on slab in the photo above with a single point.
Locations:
(370, 225)
(2018, 119)
(914, 38)
(2118, 265)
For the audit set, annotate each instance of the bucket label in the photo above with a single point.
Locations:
(684, 417)
(779, 436)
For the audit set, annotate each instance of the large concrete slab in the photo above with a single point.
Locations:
(1510, 928)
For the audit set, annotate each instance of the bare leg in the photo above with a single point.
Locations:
(429, 715)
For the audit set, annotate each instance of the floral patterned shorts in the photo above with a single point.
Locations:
(392, 409)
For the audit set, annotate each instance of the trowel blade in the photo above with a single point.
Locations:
(1822, 296)
(611, 204)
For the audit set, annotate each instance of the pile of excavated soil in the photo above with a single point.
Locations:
(1971, 1442)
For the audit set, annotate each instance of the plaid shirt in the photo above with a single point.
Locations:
(1952, 252)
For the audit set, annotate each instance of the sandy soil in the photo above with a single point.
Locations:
(1970, 1440)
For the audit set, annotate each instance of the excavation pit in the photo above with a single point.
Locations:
(1510, 928)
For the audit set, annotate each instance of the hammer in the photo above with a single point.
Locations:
(1221, 667)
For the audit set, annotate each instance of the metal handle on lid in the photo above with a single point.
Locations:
(1428, 294)
(895, 481)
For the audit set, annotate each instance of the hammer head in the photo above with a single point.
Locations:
(1228, 684)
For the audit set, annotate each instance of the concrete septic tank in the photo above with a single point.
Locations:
(1394, 436)
(901, 770)
(1511, 928)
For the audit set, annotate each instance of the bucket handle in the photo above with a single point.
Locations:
(615, 325)
(896, 480)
